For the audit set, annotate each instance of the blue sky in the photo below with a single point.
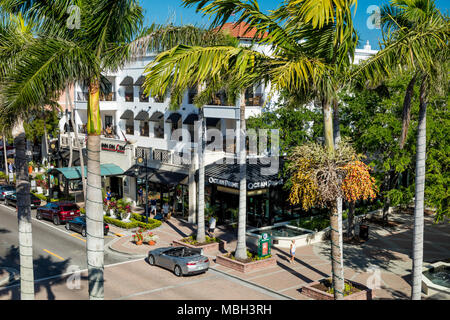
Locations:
(162, 11)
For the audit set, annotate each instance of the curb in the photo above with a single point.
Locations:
(13, 276)
(130, 255)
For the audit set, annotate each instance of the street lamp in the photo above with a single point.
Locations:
(143, 160)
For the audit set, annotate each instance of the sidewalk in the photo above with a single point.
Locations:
(385, 253)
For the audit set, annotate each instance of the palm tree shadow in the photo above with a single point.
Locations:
(44, 267)
(285, 256)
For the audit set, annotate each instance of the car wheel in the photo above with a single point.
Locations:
(178, 271)
(151, 260)
(38, 215)
(56, 219)
(106, 233)
(83, 232)
(68, 226)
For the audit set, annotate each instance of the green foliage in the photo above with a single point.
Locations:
(40, 196)
(312, 223)
(193, 240)
(34, 130)
(136, 221)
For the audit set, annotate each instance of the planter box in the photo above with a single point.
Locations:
(246, 267)
(364, 294)
(210, 248)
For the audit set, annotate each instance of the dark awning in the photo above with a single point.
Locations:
(140, 81)
(212, 122)
(156, 116)
(191, 118)
(131, 172)
(174, 117)
(142, 116)
(167, 178)
(127, 115)
(258, 175)
(127, 81)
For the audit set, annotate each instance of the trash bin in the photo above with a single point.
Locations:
(364, 232)
(264, 245)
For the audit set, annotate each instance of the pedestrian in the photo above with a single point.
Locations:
(108, 196)
(141, 195)
(292, 250)
(165, 209)
(153, 206)
(212, 226)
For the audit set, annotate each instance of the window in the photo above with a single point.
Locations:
(192, 92)
(142, 96)
(129, 94)
(129, 126)
(143, 129)
(159, 129)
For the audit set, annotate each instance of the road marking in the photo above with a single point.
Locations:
(53, 254)
(76, 236)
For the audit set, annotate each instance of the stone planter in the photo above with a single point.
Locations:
(364, 294)
(246, 267)
(210, 248)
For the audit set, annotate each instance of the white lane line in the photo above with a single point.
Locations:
(70, 273)
(44, 223)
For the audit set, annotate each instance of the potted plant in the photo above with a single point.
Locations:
(150, 238)
(138, 237)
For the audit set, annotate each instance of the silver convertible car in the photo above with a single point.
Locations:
(181, 260)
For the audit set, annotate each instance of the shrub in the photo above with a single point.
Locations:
(40, 196)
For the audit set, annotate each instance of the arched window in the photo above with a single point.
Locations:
(127, 83)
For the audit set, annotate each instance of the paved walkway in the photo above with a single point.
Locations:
(385, 256)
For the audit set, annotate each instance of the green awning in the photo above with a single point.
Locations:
(74, 173)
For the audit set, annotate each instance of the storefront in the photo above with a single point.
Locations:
(267, 200)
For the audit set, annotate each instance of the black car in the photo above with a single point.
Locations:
(79, 224)
(11, 200)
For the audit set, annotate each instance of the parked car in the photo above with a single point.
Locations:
(11, 200)
(5, 190)
(79, 224)
(181, 260)
(58, 212)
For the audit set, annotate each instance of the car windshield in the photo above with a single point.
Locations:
(69, 207)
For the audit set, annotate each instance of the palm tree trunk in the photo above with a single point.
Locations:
(5, 155)
(407, 111)
(24, 214)
(78, 144)
(241, 247)
(351, 220)
(336, 255)
(335, 220)
(201, 237)
(94, 204)
(417, 256)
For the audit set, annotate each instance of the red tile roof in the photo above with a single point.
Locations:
(239, 30)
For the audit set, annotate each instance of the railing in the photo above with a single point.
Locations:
(141, 152)
(254, 101)
(66, 140)
(162, 155)
(82, 96)
(108, 97)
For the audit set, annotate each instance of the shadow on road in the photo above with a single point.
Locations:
(43, 267)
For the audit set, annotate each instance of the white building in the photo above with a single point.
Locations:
(144, 125)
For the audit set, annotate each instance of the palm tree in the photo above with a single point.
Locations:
(13, 34)
(66, 55)
(416, 41)
(296, 31)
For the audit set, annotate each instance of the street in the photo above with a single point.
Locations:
(60, 270)
(55, 250)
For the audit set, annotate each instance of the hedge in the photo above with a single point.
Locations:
(134, 223)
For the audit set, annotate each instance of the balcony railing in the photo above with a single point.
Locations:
(84, 96)
(108, 97)
(254, 101)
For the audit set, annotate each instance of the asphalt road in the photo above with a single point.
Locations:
(55, 250)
